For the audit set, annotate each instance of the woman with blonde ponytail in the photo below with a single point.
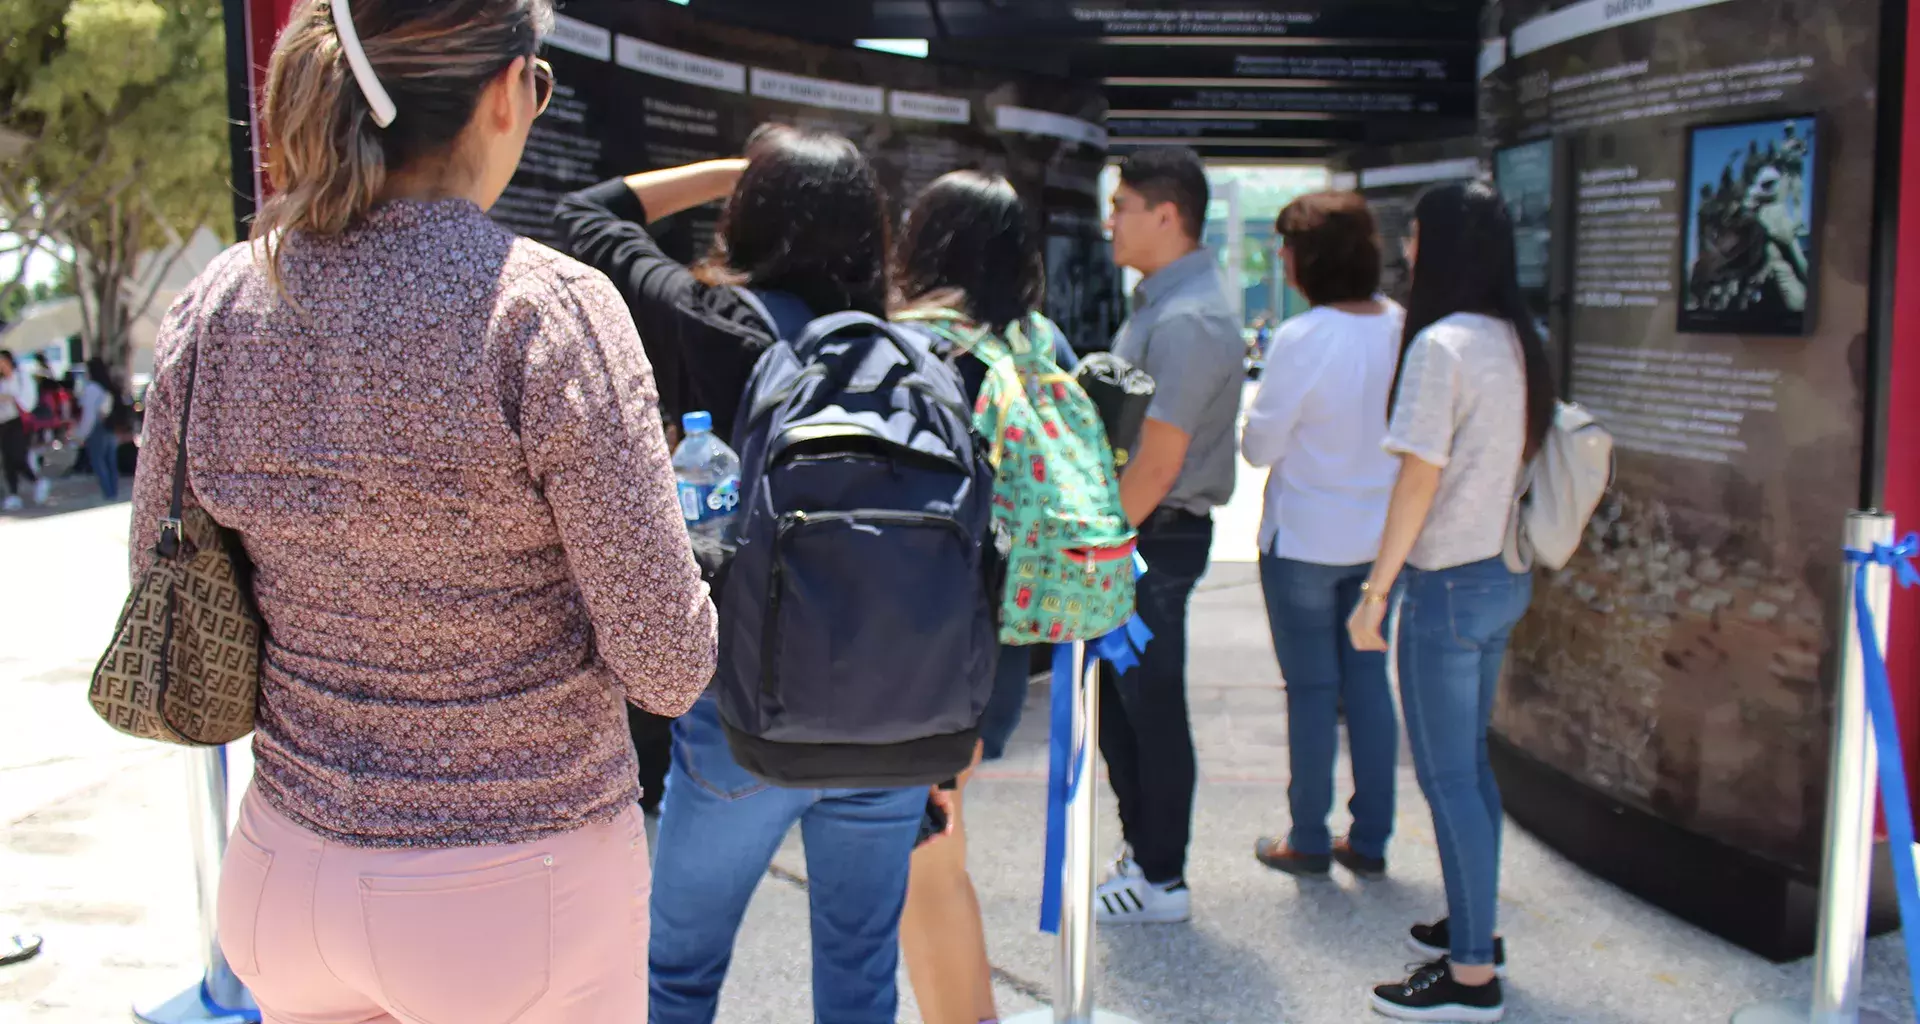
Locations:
(440, 445)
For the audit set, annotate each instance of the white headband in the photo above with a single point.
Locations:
(380, 103)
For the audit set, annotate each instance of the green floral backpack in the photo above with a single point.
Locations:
(1056, 500)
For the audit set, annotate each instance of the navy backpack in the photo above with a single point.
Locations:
(857, 640)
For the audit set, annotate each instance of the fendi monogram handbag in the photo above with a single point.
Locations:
(184, 664)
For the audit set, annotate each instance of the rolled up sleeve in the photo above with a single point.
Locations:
(1427, 406)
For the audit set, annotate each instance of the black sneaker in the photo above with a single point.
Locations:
(1431, 941)
(1365, 867)
(1274, 852)
(1430, 993)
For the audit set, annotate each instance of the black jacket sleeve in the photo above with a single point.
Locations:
(703, 341)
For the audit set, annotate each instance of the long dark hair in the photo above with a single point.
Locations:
(1466, 265)
(966, 245)
(807, 218)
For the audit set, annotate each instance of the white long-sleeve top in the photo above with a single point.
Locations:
(95, 403)
(18, 395)
(1317, 421)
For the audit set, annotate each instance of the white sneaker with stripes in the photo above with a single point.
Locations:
(1134, 900)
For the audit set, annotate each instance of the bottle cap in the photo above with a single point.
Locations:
(696, 422)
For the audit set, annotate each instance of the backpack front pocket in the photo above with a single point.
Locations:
(867, 639)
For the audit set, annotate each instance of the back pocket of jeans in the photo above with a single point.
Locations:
(472, 947)
(1479, 610)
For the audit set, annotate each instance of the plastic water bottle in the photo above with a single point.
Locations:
(709, 477)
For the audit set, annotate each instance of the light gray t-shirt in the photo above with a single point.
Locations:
(1185, 334)
(1462, 406)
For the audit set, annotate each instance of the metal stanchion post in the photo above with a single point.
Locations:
(219, 997)
(1847, 872)
(1073, 980)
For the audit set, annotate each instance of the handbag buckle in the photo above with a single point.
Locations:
(171, 532)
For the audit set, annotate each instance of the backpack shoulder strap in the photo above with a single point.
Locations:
(784, 313)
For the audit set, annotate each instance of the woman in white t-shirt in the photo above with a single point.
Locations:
(101, 443)
(1472, 402)
(1316, 422)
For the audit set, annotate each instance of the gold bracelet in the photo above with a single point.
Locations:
(1370, 595)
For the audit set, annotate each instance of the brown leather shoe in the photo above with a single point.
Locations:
(1274, 852)
(1365, 867)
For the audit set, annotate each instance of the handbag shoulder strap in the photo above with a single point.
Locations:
(170, 529)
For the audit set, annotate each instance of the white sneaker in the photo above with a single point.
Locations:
(12, 504)
(40, 489)
(1138, 901)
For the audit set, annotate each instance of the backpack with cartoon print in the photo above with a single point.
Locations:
(1057, 515)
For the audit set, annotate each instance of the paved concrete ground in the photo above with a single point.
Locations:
(94, 853)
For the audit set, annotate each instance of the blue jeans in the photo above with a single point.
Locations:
(1454, 627)
(1012, 676)
(1307, 609)
(719, 830)
(103, 455)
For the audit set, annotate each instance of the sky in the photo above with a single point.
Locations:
(41, 267)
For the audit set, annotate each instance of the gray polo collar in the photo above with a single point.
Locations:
(1170, 277)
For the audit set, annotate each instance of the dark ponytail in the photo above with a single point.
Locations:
(1466, 264)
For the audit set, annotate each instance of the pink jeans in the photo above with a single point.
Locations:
(548, 932)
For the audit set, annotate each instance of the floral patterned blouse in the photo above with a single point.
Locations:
(445, 460)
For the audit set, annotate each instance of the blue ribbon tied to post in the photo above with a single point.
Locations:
(1886, 732)
(1121, 649)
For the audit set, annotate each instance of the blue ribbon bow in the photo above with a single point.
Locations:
(1121, 649)
(1886, 732)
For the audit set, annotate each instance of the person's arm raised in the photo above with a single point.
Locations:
(672, 190)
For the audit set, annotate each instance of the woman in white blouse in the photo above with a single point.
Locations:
(1316, 423)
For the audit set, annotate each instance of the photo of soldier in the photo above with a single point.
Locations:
(1750, 261)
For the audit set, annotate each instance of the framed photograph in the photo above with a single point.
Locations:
(1750, 265)
(1524, 176)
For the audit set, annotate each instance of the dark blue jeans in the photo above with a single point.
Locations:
(1012, 676)
(1307, 609)
(1144, 733)
(102, 449)
(719, 829)
(1454, 627)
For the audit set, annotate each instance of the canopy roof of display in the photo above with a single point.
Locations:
(1253, 79)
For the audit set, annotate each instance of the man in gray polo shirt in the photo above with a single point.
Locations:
(1184, 332)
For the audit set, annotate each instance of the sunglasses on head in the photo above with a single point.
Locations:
(542, 85)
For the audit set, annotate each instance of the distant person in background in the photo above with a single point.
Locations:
(18, 397)
(98, 399)
(1473, 399)
(1184, 331)
(1316, 422)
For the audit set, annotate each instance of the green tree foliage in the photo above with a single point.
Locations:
(113, 143)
